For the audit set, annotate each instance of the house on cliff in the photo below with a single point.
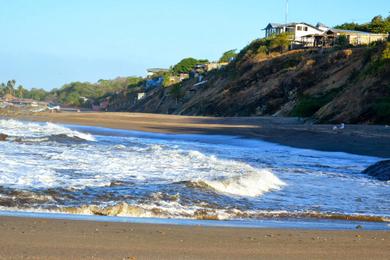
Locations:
(307, 35)
(352, 37)
(299, 32)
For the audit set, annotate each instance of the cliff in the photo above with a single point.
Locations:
(350, 85)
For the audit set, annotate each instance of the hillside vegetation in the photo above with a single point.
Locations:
(350, 85)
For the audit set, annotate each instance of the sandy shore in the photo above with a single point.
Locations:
(65, 239)
(357, 139)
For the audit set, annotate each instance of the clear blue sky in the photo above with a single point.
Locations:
(47, 43)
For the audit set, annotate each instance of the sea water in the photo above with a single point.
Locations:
(47, 167)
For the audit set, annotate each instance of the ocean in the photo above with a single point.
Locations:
(52, 168)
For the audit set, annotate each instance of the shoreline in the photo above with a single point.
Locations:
(63, 239)
(370, 140)
(59, 237)
(282, 222)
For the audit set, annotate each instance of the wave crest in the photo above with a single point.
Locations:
(252, 184)
(36, 132)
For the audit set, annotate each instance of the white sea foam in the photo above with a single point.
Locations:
(27, 130)
(293, 178)
(252, 184)
(97, 166)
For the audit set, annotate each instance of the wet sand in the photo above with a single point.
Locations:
(356, 139)
(25, 238)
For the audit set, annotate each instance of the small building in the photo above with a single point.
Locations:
(102, 105)
(183, 76)
(140, 95)
(299, 31)
(215, 65)
(154, 83)
(156, 71)
(307, 35)
(24, 102)
(354, 37)
(84, 99)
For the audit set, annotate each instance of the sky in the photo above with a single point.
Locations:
(47, 43)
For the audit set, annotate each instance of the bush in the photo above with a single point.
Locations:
(228, 56)
(263, 50)
(382, 108)
(186, 65)
(280, 42)
(176, 92)
(342, 41)
(386, 52)
(307, 106)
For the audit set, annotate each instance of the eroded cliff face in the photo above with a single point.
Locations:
(328, 85)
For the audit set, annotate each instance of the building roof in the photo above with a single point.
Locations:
(155, 70)
(352, 32)
(279, 25)
(273, 25)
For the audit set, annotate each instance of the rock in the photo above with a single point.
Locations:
(3, 137)
(380, 170)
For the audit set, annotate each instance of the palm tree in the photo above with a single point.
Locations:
(10, 88)
(20, 91)
(2, 89)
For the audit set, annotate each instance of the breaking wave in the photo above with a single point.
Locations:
(177, 211)
(37, 132)
(252, 184)
(51, 168)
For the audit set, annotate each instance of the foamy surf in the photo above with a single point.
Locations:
(53, 168)
(29, 131)
(251, 184)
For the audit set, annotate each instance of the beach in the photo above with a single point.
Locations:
(37, 238)
(24, 238)
(356, 139)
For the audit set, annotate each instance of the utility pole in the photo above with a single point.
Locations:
(286, 13)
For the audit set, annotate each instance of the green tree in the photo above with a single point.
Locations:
(186, 65)
(2, 89)
(20, 91)
(377, 25)
(176, 91)
(380, 25)
(73, 99)
(228, 56)
(37, 94)
(10, 88)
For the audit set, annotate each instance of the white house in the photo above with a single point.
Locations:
(300, 31)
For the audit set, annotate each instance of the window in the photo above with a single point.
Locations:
(305, 28)
(299, 28)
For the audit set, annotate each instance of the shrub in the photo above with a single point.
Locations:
(342, 41)
(186, 65)
(307, 106)
(280, 42)
(228, 56)
(386, 52)
(382, 108)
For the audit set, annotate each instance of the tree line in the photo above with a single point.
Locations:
(10, 88)
(378, 24)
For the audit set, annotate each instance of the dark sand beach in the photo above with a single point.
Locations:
(356, 139)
